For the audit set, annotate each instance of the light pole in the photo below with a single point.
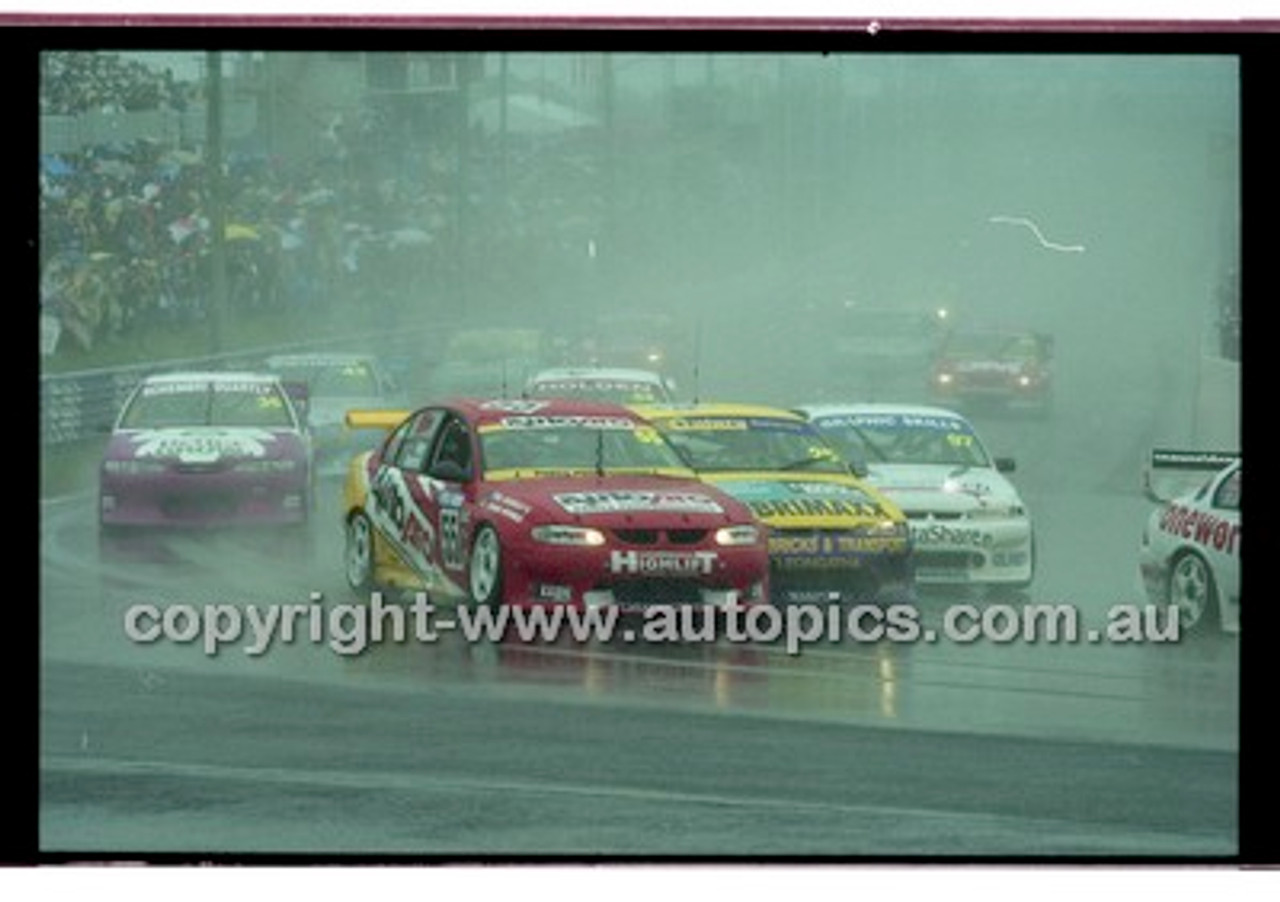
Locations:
(217, 302)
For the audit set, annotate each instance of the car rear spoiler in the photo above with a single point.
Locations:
(1171, 472)
(375, 419)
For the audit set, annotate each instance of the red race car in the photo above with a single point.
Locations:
(539, 502)
(994, 367)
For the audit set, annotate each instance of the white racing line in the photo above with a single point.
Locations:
(1035, 230)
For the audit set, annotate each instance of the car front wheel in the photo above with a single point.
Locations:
(1192, 592)
(485, 567)
(359, 552)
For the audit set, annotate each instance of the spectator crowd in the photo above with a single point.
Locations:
(75, 82)
(125, 233)
(377, 220)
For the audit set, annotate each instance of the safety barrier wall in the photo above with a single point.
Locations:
(80, 405)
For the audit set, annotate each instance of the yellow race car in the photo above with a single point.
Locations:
(833, 538)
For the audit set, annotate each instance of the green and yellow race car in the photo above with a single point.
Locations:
(833, 537)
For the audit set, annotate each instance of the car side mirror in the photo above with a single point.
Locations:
(449, 471)
(859, 469)
(1005, 465)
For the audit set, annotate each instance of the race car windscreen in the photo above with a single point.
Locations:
(906, 440)
(993, 346)
(613, 446)
(721, 444)
(208, 404)
(616, 391)
(347, 380)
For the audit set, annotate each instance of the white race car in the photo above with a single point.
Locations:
(968, 522)
(1189, 557)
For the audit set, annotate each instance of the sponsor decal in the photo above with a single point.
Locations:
(829, 544)
(1205, 529)
(790, 563)
(666, 563)
(705, 424)
(514, 406)
(813, 507)
(946, 534)
(571, 422)
(1192, 460)
(827, 490)
(896, 421)
(199, 387)
(395, 509)
(593, 385)
(617, 502)
(505, 506)
(195, 445)
(968, 487)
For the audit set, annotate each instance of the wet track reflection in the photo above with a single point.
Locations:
(1138, 739)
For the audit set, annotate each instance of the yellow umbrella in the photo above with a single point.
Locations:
(238, 232)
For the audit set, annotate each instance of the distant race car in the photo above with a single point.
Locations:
(875, 351)
(833, 538)
(489, 363)
(206, 449)
(968, 522)
(1005, 368)
(543, 502)
(638, 337)
(1189, 556)
(337, 383)
(615, 384)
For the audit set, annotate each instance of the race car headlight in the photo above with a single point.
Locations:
(568, 535)
(944, 378)
(737, 535)
(132, 467)
(1024, 381)
(282, 465)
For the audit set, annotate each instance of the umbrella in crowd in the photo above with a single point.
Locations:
(236, 231)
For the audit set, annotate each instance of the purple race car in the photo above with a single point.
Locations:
(201, 449)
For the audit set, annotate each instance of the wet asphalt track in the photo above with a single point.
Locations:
(852, 749)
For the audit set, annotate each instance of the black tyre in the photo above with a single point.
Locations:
(358, 553)
(484, 569)
(1192, 592)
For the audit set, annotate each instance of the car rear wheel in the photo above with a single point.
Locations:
(359, 552)
(1192, 592)
(484, 570)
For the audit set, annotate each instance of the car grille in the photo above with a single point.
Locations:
(217, 466)
(655, 536)
(193, 506)
(948, 560)
(852, 584)
(646, 592)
